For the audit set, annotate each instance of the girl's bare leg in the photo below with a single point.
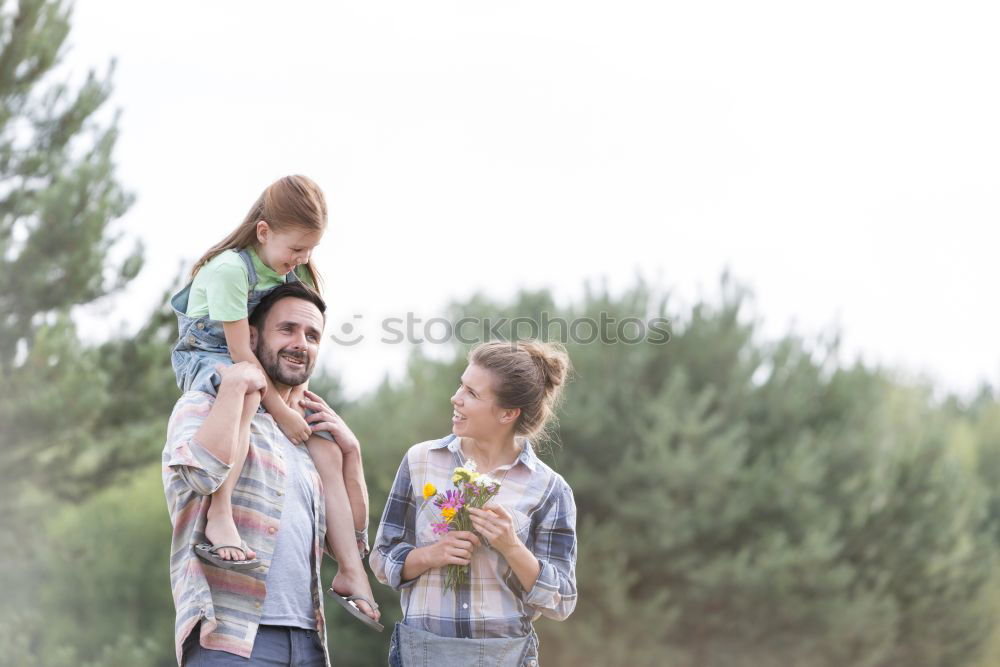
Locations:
(221, 528)
(351, 578)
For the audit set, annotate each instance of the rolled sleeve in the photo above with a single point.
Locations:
(554, 545)
(396, 536)
(198, 468)
(190, 463)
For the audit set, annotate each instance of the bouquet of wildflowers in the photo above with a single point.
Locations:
(472, 490)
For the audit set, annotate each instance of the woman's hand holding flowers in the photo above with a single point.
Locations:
(472, 491)
(496, 524)
(454, 548)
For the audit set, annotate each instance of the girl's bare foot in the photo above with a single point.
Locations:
(355, 583)
(221, 529)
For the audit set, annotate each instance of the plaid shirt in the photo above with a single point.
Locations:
(493, 603)
(228, 603)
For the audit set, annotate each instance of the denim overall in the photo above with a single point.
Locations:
(411, 647)
(202, 341)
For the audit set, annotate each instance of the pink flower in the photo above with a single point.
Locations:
(440, 528)
(453, 500)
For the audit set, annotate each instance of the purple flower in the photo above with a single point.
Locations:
(454, 500)
(440, 528)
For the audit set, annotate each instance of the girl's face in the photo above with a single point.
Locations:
(285, 250)
(476, 414)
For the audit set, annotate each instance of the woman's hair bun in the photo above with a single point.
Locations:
(552, 360)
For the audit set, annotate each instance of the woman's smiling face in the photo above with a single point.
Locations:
(476, 414)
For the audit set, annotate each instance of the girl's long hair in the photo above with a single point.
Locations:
(292, 201)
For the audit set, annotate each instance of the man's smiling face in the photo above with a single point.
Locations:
(288, 343)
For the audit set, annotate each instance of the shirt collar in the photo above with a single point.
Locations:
(527, 455)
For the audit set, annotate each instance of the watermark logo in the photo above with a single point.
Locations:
(349, 333)
(604, 329)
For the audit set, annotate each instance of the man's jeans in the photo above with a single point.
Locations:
(274, 645)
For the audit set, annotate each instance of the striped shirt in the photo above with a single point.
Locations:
(493, 603)
(228, 603)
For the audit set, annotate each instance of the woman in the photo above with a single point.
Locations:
(522, 555)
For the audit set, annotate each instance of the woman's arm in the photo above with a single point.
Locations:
(395, 559)
(454, 548)
(396, 536)
(497, 525)
(290, 421)
(545, 574)
(554, 544)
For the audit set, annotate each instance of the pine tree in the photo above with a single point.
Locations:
(758, 503)
(742, 502)
(62, 429)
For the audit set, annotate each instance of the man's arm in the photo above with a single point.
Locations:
(219, 433)
(202, 433)
(325, 419)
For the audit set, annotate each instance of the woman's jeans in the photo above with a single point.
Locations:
(410, 647)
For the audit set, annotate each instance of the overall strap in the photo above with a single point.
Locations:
(292, 277)
(251, 271)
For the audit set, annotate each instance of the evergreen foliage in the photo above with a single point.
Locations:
(72, 416)
(743, 502)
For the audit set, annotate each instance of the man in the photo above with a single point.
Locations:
(272, 614)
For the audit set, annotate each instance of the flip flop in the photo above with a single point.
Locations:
(211, 554)
(347, 603)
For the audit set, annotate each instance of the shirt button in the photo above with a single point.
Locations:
(465, 605)
(191, 340)
(201, 325)
(272, 530)
(281, 493)
(256, 605)
(532, 663)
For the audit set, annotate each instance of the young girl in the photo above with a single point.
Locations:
(522, 555)
(272, 245)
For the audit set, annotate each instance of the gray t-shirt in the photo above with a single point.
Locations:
(289, 581)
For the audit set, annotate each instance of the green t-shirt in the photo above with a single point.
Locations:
(220, 288)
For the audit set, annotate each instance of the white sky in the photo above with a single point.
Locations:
(841, 158)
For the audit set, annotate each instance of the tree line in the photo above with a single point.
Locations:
(743, 500)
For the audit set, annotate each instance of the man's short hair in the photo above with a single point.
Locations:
(297, 289)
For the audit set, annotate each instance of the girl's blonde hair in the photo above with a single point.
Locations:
(292, 201)
(529, 375)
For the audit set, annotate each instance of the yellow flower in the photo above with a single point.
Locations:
(465, 474)
(429, 490)
(448, 513)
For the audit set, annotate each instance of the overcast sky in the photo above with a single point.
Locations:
(840, 158)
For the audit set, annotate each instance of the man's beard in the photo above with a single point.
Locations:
(270, 360)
